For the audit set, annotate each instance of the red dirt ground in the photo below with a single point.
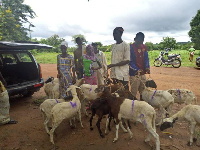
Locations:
(29, 133)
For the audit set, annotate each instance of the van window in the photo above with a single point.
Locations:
(9, 59)
(24, 57)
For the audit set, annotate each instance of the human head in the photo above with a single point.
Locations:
(63, 47)
(78, 41)
(95, 47)
(117, 33)
(139, 38)
(89, 49)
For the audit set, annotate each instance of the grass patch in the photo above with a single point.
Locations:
(51, 58)
(37, 102)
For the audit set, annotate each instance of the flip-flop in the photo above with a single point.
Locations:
(12, 122)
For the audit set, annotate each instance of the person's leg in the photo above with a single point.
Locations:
(134, 83)
(142, 85)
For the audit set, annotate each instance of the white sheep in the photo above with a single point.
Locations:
(45, 109)
(48, 104)
(190, 113)
(49, 84)
(66, 110)
(183, 96)
(132, 110)
(160, 99)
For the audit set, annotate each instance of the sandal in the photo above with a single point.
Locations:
(12, 122)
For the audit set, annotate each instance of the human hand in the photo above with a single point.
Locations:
(147, 71)
(138, 72)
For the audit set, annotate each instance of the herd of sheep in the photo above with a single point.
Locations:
(117, 103)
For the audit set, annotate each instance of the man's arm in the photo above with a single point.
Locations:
(122, 63)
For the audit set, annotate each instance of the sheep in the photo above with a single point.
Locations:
(100, 108)
(132, 110)
(45, 109)
(66, 110)
(160, 99)
(48, 104)
(49, 84)
(190, 113)
(89, 93)
(183, 96)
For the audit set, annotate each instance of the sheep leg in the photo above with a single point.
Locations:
(117, 130)
(79, 114)
(54, 126)
(121, 125)
(91, 118)
(110, 118)
(83, 108)
(192, 130)
(46, 120)
(155, 135)
(98, 126)
(107, 125)
(129, 131)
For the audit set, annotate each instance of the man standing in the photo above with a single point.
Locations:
(120, 59)
(191, 51)
(77, 58)
(101, 73)
(139, 65)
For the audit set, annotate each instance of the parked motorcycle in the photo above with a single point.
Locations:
(174, 60)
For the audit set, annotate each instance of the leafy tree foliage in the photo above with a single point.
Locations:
(194, 32)
(54, 41)
(13, 15)
(149, 46)
(81, 36)
(168, 42)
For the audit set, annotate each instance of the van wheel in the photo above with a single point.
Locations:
(28, 94)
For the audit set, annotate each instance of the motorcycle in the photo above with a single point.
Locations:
(174, 60)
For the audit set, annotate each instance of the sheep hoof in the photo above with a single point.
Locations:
(102, 135)
(115, 140)
(189, 143)
(125, 131)
(91, 128)
(131, 137)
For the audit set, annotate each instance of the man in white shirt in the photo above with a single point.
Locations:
(120, 59)
(101, 73)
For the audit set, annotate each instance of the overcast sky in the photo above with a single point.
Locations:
(96, 19)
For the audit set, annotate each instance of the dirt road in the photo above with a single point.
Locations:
(29, 133)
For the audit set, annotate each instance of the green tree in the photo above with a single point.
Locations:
(168, 42)
(15, 14)
(54, 41)
(149, 46)
(194, 32)
(81, 36)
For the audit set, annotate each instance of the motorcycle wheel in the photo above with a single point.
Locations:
(157, 63)
(176, 63)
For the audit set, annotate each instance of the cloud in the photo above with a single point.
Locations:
(97, 19)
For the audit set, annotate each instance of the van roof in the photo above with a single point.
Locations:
(6, 45)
